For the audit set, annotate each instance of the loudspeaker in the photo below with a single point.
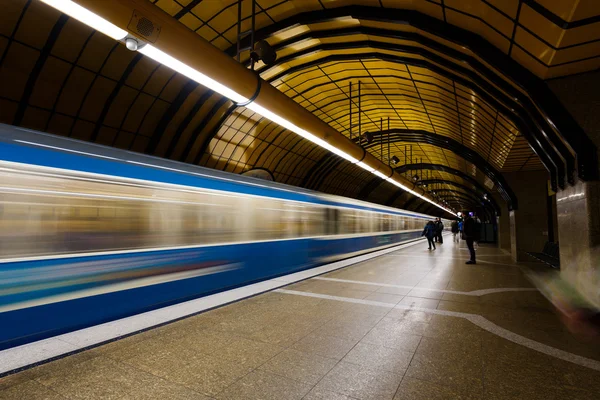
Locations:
(263, 51)
(144, 27)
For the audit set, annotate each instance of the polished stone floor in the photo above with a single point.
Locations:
(411, 324)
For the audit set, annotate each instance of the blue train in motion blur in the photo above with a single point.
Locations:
(90, 234)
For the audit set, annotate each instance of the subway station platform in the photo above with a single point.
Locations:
(409, 324)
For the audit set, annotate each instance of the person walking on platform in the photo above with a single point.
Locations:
(454, 228)
(469, 233)
(429, 232)
(439, 228)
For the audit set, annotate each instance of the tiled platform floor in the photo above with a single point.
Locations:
(293, 346)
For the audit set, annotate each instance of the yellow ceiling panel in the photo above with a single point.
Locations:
(289, 33)
(387, 25)
(529, 62)
(206, 10)
(337, 24)
(534, 46)
(169, 6)
(574, 68)
(285, 10)
(298, 46)
(398, 3)
(193, 23)
(495, 38)
(339, 3)
(431, 9)
(207, 32)
(563, 8)
(576, 53)
(542, 27)
(344, 39)
(508, 7)
(585, 9)
(582, 34)
(488, 14)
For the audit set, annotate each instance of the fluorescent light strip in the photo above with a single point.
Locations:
(381, 175)
(365, 166)
(184, 69)
(296, 129)
(84, 15)
(100, 24)
(401, 186)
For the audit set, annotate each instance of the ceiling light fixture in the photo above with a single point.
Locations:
(84, 15)
(184, 69)
(365, 166)
(380, 174)
(302, 132)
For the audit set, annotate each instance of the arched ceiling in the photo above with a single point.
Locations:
(466, 71)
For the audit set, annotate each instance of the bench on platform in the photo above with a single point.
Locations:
(549, 255)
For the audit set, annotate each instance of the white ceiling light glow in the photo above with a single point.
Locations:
(381, 175)
(184, 69)
(84, 15)
(365, 166)
(296, 129)
(98, 23)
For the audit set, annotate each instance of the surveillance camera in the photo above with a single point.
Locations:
(131, 44)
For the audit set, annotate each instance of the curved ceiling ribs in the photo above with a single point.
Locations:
(514, 100)
(471, 108)
(410, 136)
(320, 170)
(552, 152)
(464, 188)
(460, 201)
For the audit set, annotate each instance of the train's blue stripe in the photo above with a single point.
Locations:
(77, 162)
(259, 261)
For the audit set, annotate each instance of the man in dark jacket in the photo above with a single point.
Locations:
(439, 228)
(469, 233)
(454, 227)
(429, 233)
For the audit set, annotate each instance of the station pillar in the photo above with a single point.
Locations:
(578, 209)
(529, 223)
(503, 225)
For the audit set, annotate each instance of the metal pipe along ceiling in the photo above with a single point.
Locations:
(187, 47)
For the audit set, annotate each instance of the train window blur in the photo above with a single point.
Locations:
(45, 214)
(363, 220)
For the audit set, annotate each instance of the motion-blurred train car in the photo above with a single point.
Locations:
(89, 234)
